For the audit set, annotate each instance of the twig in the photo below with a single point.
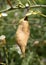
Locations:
(38, 10)
(10, 4)
(19, 2)
(13, 8)
(34, 2)
(9, 9)
(29, 2)
(38, 6)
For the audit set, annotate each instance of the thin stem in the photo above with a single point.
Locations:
(38, 10)
(34, 2)
(33, 6)
(20, 2)
(29, 2)
(10, 4)
(42, 14)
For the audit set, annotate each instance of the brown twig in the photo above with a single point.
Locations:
(10, 4)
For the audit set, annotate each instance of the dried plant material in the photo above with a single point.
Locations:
(22, 34)
(36, 43)
(2, 40)
(44, 42)
(1, 63)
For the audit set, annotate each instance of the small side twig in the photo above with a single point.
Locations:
(10, 4)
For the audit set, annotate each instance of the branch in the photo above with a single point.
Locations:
(10, 4)
(38, 6)
(34, 6)
(9, 9)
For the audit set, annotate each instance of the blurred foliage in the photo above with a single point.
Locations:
(35, 54)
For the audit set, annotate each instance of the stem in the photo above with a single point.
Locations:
(33, 6)
(29, 2)
(10, 4)
(20, 2)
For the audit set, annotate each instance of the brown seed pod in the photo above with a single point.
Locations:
(22, 34)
